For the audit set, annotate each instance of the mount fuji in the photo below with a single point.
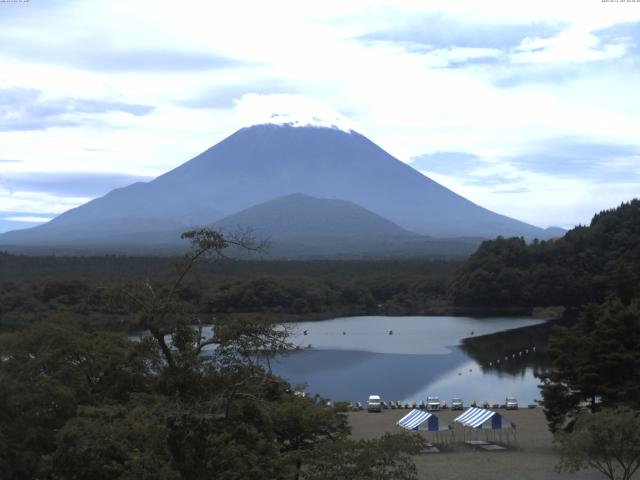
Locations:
(261, 163)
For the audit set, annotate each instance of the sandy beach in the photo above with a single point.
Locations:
(531, 457)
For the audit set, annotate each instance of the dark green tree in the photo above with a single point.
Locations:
(595, 362)
(46, 373)
(389, 456)
(302, 423)
(118, 441)
(608, 441)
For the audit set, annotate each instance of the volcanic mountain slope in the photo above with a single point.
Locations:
(299, 225)
(263, 162)
(301, 217)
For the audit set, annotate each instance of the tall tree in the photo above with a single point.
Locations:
(302, 423)
(389, 456)
(160, 310)
(608, 441)
(46, 373)
(597, 361)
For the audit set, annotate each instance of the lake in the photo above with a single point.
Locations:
(408, 358)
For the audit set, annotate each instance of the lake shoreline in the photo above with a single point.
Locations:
(449, 311)
(287, 318)
(407, 358)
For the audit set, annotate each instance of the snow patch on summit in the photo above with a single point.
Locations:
(287, 109)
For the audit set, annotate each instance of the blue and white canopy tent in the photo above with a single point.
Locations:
(423, 421)
(475, 420)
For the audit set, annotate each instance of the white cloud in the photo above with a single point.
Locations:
(28, 219)
(38, 203)
(570, 46)
(281, 109)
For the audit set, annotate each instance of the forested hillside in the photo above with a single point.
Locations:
(586, 265)
(595, 271)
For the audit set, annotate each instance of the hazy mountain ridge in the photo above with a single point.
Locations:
(300, 216)
(263, 162)
(299, 225)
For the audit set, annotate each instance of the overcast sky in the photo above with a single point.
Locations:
(528, 108)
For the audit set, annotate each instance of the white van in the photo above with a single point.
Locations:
(433, 403)
(374, 404)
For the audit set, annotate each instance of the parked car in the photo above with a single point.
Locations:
(433, 403)
(511, 403)
(374, 404)
(457, 404)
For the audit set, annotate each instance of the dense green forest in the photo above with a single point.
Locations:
(586, 265)
(95, 290)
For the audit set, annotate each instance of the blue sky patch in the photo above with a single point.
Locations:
(446, 163)
(71, 184)
(27, 109)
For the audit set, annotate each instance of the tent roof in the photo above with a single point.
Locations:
(475, 417)
(414, 419)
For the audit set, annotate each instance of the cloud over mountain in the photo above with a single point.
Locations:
(288, 109)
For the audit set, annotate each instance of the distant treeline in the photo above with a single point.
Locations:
(96, 290)
(505, 275)
(586, 265)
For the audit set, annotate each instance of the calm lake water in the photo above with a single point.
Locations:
(351, 358)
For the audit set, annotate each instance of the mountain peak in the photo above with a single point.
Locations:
(290, 110)
(298, 124)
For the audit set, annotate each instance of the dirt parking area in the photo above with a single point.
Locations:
(530, 457)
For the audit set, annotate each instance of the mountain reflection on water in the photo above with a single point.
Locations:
(408, 358)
